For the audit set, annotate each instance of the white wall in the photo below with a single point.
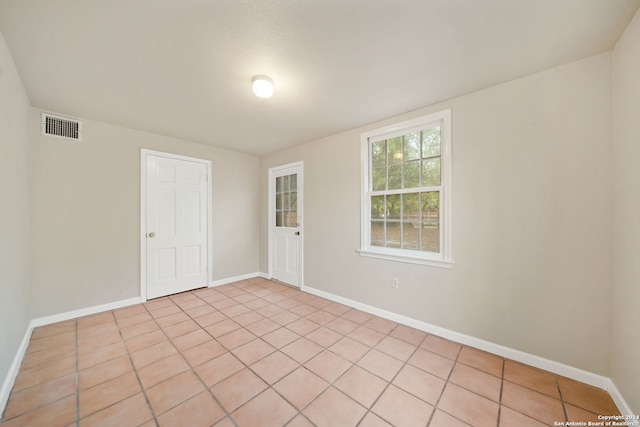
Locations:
(625, 356)
(14, 210)
(531, 219)
(86, 214)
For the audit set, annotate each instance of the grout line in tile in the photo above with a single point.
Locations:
(208, 389)
(270, 386)
(331, 384)
(135, 370)
(564, 407)
(504, 361)
(446, 382)
(37, 408)
(77, 378)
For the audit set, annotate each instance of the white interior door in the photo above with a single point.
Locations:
(285, 218)
(176, 234)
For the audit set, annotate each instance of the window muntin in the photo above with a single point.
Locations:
(405, 190)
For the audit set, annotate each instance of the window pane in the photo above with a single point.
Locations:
(293, 201)
(393, 234)
(291, 219)
(395, 177)
(279, 184)
(278, 201)
(378, 213)
(377, 232)
(279, 221)
(379, 153)
(285, 201)
(293, 182)
(392, 225)
(378, 208)
(412, 174)
(393, 206)
(411, 235)
(411, 207)
(379, 179)
(430, 203)
(430, 238)
(412, 146)
(431, 172)
(394, 150)
(411, 221)
(431, 142)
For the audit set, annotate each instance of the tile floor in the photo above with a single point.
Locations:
(258, 353)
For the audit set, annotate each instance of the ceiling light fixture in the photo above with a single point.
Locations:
(262, 86)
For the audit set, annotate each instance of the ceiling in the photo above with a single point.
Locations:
(183, 68)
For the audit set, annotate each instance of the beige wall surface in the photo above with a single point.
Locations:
(14, 210)
(625, 357)
(531, 219)
(86, 214)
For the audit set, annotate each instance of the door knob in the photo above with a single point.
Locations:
(152, 235)
(297, 233)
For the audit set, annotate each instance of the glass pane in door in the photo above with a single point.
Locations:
(287, 201)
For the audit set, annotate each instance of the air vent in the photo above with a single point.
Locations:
(61, 127)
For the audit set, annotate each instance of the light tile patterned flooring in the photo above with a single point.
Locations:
(258, 353)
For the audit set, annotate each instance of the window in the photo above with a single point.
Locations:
(406, 191)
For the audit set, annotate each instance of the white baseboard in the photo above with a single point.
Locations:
(227, 280)
(510, 353)
(10, 379)
(620, 402)
(41, 321)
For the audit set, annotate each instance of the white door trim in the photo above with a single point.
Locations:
(272, 220)
(143, 214)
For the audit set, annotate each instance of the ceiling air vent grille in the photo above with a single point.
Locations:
(61, 127)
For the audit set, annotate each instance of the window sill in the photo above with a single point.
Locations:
(407, 258)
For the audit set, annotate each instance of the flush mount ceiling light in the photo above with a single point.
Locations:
(262, 86)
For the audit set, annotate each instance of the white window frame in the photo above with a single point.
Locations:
(443, 258)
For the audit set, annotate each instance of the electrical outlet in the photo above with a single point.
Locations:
(395, 283)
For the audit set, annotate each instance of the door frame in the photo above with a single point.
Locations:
(143, 214)
(272, 219)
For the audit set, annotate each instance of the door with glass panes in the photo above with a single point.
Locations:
(286, 224)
